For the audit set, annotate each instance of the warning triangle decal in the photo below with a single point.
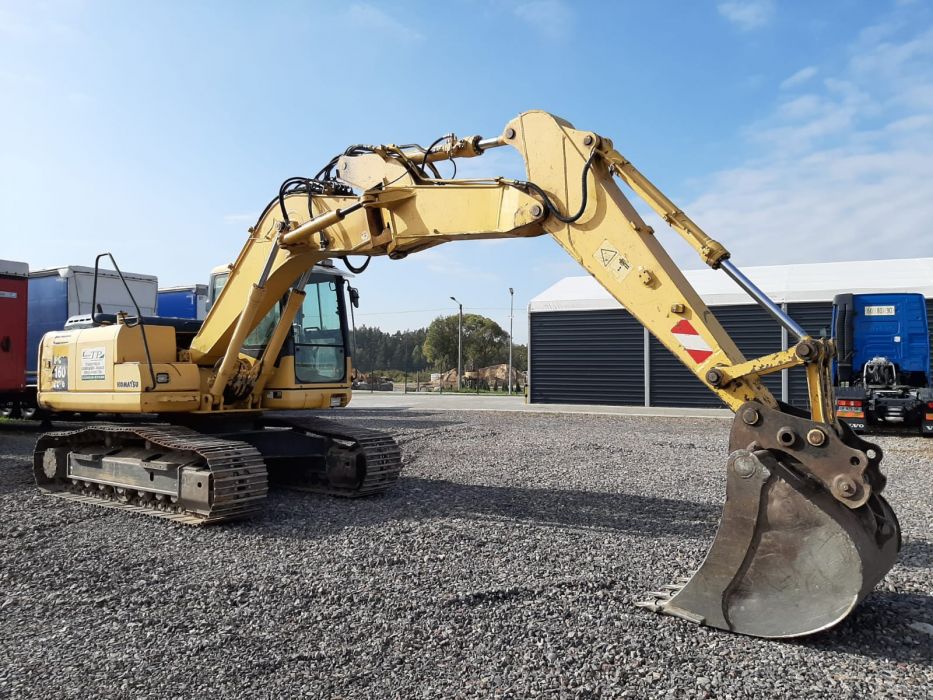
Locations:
(607, 255)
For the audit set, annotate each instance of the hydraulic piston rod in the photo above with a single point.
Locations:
(763, 300)
(455, 148)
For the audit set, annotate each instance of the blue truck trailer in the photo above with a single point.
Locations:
(882, 371)
(186, 301)
(62, 293)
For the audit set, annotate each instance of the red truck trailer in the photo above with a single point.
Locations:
(14, 284)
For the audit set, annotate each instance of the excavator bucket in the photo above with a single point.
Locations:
(789, 558)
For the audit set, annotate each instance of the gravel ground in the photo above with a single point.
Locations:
(504, 564)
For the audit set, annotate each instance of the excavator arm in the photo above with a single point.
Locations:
(805, 533)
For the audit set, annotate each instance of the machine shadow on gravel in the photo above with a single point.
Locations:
(13, 479)
(415, 498)
(13, 427)
(391, 418)
(879, 628)
(917, 554)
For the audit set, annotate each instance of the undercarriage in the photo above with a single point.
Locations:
(213, 470)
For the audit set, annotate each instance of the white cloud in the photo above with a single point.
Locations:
(800, 77)
(747, 14)
(365, 16)
(840, 172)
(553, 19)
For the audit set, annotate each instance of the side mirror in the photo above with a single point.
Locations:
(354, 296)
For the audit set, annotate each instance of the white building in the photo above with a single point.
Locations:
(585, 348)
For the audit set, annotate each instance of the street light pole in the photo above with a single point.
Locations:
(459, 346)
(511, 315)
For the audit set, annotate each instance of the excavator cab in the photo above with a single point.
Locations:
(314, 365)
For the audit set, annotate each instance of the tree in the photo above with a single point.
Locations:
(377, 350)
(440, 343)
(484, 342)
(520, 357)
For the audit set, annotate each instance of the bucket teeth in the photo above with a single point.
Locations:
(658, 599)
(660, 595)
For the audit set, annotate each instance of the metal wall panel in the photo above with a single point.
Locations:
(930, 322)
(590, 357)
(752, 329)
(816, 318)
(672, 384)
(597, 356)
(756, 334)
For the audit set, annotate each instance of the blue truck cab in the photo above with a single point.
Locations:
(882, 371)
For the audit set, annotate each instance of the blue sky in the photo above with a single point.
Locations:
(791, 131)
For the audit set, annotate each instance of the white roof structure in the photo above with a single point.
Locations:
(783, 283)
(71, 270)
(14, 269)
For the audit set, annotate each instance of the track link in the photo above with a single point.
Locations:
(235, 472)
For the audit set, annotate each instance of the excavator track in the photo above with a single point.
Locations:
(166, 471)
(197, 478)
(359, 461)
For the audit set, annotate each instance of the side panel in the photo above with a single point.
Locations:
(283, 393)
(13, 303)
(587, 357)
(48, 311)
(183, 302)
(930, 316)
(105, 369)
(111, 294)
(177, 304)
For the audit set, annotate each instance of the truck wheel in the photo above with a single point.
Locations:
(9, 410)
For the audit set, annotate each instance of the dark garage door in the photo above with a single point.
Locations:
(587, 357)
(596, 356)
(752, 329)
(816, 319)
(930, 322)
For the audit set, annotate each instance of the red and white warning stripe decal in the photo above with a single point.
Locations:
(695, 346)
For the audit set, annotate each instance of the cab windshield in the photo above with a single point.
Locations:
(317, 336)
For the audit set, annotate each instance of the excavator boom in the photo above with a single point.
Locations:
(805, 533)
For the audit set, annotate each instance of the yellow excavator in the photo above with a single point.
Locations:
(805, 533)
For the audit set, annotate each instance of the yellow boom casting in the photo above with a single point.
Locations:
(805, 533)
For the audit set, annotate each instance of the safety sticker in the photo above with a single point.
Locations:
(609, 257)
(93, 364)
(691, 341)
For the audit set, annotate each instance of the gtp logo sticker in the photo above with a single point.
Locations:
(93, 364)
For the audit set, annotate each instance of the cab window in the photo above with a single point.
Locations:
(317, 332)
